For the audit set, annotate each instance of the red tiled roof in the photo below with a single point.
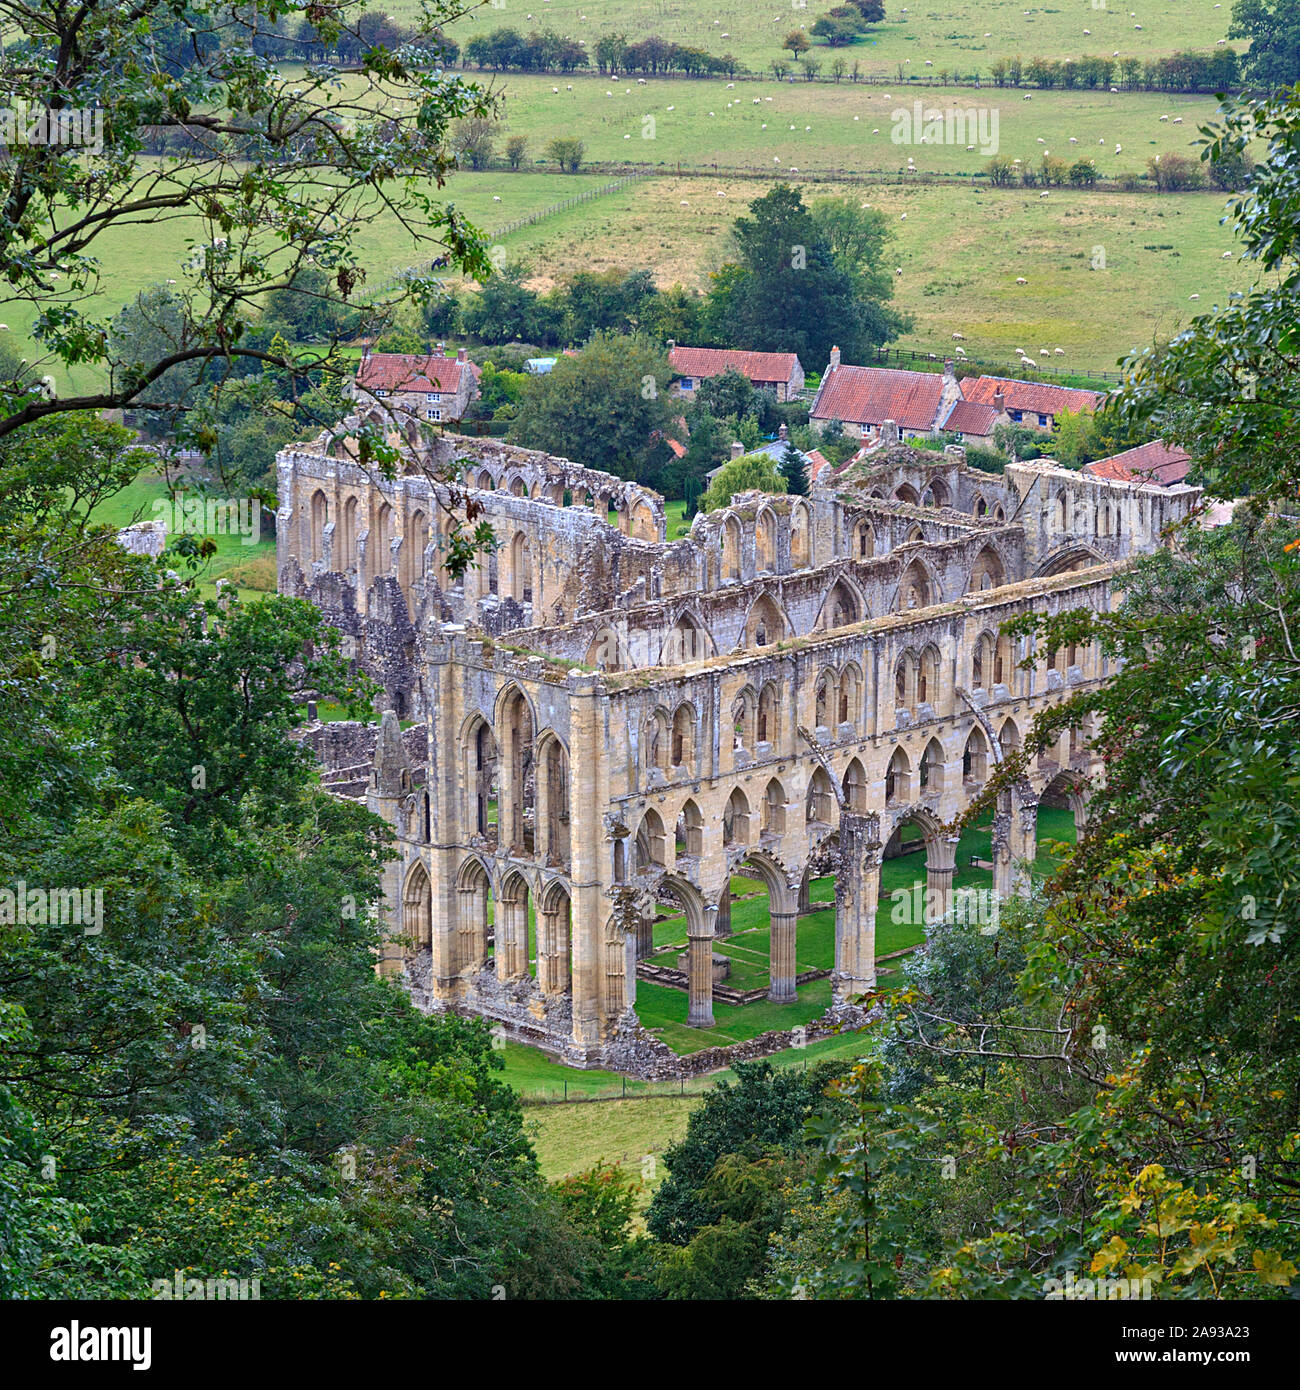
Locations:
(970, 417)
(816, 462)
(1038, 397)
(679, 450)
(395, 371)
(757, 366)
(872, 395)
(1156, 462)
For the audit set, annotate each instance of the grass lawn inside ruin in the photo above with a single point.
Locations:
(663, 1009)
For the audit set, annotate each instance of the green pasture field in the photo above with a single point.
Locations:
(961, 251)
(963, 35)
(838, 125)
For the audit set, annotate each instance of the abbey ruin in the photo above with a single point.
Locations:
(601, 720)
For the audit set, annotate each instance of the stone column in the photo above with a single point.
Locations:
(782, 964)
(700, 1011)
(445, 682)
(1000, 835)
(471, 919)
(723, 927)
(940, 869)
(588, 797)
(1027, 849)
(546, 955)
(857, 895)
(633, 953)
(645, 936)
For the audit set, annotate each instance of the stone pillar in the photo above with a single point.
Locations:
(452, 953)
(633, 953)
(645, 936)
(548, 959)
(782, 962)
(723, 927)
(940, 869)
(1027, 849)
(857, 895)
(1000, 834)
(588, 796)
(700, 1011)
(471, 933)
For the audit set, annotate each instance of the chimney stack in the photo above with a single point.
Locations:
(737, 448)
(783, 433)
(999, 402)
(835, 359)
(461, 355)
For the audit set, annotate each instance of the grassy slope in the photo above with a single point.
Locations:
(961, 251)
(233, 558)
(950, 34)
(704, 123)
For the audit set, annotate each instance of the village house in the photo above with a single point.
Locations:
(778, 372)
(863, 398)
(972, 421)
(434, 387)
(1157, 462)
(1033, 403)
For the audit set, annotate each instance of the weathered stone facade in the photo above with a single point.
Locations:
(612, 720)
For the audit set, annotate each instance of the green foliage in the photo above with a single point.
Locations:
(763, 1111)
(743, 474)
(1225, 388)
(795, 471)
(789, 291)
(607, 407)
(294, 168)
(1273, 28)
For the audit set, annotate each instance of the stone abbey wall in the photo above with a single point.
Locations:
(614, 720)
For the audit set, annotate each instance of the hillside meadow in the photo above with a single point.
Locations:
(774, 127)
(963, 36)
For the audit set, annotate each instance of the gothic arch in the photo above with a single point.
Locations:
(800, 536)
(685, 722)
(1075, 556)
(916, 589)
(651, 842)
(417, 908)
(988, 571)
(688, 642)
(765, 623)
(769, 715)
(735, 819)
(842, 606)
(772, 809)
(779, 895)
(765, 541)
